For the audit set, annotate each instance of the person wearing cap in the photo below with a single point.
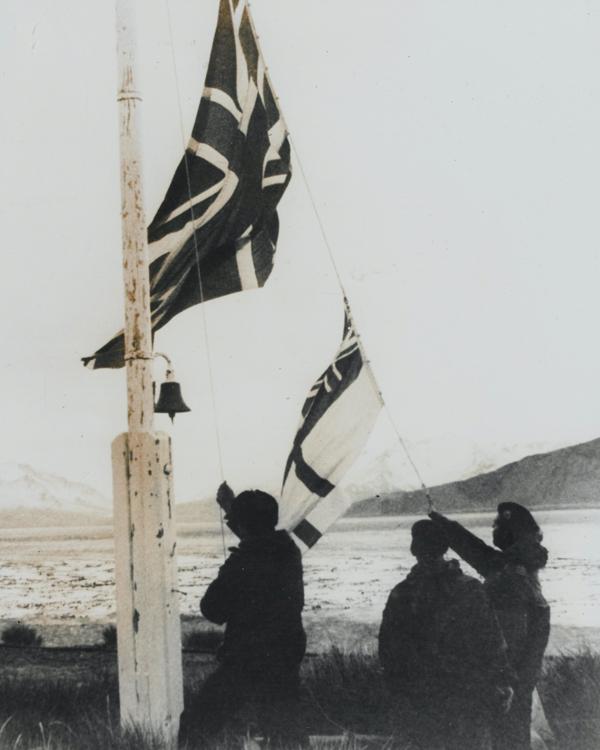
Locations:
(258, 595)
(442, 652)
(511, 580)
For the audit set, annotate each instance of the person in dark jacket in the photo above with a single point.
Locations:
(511, 581)
(258, 595)
(442, 651)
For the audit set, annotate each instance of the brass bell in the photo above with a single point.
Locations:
(170, 400)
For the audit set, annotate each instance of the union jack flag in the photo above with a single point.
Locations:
(337, 418)
(216, 230)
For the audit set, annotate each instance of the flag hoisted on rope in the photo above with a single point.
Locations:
(337, 419)
(216, 230)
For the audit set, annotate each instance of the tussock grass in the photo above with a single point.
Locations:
(570, 692)
(21, 635)
(342, 693)
(346, 692)
(202, 640)
(109, 636)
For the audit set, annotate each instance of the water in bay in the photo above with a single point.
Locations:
(68, 574)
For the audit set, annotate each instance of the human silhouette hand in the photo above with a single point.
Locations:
(225, 497)
(437, 517)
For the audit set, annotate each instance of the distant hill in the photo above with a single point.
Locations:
(33, 498)
(448, 458)
(202, 510)
(26, 518)
(197, 511)
(569, 477)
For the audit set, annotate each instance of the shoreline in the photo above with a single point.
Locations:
(103, 526)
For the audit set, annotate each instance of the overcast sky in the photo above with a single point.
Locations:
(452, 152)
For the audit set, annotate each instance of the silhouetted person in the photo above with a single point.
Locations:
(512, 583)
(259, 596)
(442, 651)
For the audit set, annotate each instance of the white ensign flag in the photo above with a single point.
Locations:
(337, 419)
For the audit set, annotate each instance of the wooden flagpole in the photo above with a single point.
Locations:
(148, 627)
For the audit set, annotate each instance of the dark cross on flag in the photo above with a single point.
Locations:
(337, 418)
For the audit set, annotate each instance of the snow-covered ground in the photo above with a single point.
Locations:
(50, 575)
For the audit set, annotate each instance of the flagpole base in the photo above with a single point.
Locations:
(148, 625)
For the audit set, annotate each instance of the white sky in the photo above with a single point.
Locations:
(452, 150)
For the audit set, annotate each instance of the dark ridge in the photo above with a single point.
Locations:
(565, 478)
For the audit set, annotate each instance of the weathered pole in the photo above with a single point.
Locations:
(148, 628)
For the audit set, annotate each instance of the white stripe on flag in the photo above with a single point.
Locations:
(245, 265)
(332, 446)
(241, 64)
(220, 97)
(277, 135)
(251, 96)
(260, 78)
(237, 14)
(209, 154)
(197, 199)
(276, 179)
(173, 242)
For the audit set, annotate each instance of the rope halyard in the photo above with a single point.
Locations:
(359, 339)
(200, 288)
(430, 506)
(318, 217)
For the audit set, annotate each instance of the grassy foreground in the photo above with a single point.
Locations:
(342, 693)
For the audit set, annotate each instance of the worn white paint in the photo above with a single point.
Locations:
(149, 636)
(138, 334)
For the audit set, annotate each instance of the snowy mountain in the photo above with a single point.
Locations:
(29, 497)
